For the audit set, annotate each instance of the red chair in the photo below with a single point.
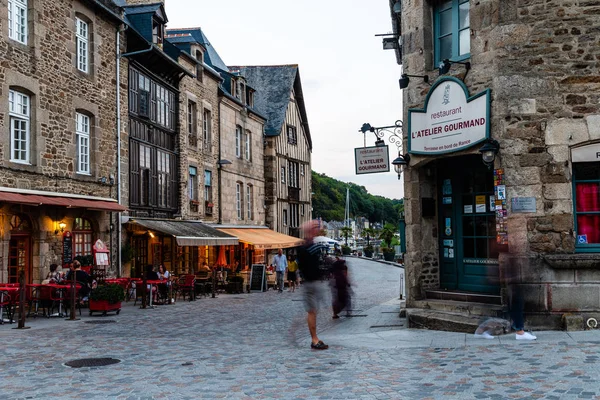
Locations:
(5, 306)
(186, 286)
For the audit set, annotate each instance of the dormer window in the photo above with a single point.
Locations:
(199, 56)
(242, 93)
(158, 32)
(233, 87)
(250, 97)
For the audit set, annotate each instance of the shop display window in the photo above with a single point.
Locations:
(586, 178)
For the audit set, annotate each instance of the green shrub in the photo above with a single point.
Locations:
(112, 293)
(346, 250)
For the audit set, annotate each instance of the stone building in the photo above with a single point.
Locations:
(58, 163)
(521, 78)
(288, 147)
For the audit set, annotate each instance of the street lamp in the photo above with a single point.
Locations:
(488, 152)
(401, 161)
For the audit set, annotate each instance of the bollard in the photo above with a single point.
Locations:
(214, 282)
(144, 290)
(73, 317)
(21, 324)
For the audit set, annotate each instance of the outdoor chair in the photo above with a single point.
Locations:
(186, 286)
(5, 306)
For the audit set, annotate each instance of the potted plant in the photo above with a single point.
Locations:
(388, 253)
(346, 250)
(106, 298)
(234, 284)
(368, 251)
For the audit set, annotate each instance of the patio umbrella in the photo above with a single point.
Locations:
(221, 260)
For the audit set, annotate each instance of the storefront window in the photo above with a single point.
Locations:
(82, 237)
(586, 176)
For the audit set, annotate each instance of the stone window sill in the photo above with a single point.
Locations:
(572, 261)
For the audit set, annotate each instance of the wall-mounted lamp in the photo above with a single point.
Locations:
(151, 234)
(444, 66)
(59, 226)
(400, 162)
(222, 162)
(397, 9)
(488, 152)
(404, 79)
(379, 143)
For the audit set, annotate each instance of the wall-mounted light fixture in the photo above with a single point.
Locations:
(404, 79)
(397, 9)
(400, 162)
(444, 66)
(151, 234)
(488, 152)
(59, 226)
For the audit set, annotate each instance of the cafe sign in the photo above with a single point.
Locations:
(370, 160)
(587, 153)
(450, 121)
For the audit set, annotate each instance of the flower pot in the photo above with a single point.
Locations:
(369, 253)
(104, 306)
(389, 256)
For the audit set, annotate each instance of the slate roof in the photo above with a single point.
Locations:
(211, 57)
(273, 85)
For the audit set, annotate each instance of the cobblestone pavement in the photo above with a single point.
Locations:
(255, 346)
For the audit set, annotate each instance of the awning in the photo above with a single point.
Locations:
(61, 201)
(188, 233)
(263, 238)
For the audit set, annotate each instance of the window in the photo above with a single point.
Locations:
(293, 170)
(249, 202)
(163, 171)
(285, 219)
(207, 186)
(282, 174)
(301, 169)
(82, 237)
(452, 30)
(82, 133)
(163, 106)
(199, 67)
(247, 141)
(193, 183)
(233, 91)
(82, 38)
(145, 167)
(294, 218)
(206, 129)
(292, 136)
(302, 210)
(157, 33)
(17, 20)
(250, 97)
(19, 109)
(238, 200)
(238, 141)
(192, 124)
(586, 178)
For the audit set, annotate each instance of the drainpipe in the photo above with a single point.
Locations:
(118, 178)
(219, 219)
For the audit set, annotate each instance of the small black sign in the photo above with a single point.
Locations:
(257, 277)
(67, 248)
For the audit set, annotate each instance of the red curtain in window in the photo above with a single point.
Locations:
(588, 200)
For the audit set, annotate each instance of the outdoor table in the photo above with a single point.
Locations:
(34, 287)
(10, 290)
(151, 283)
(61, 289)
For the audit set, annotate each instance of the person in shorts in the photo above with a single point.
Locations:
(308, 263)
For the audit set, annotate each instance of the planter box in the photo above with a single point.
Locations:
(104, 306)
(368, 253)
(389, 256)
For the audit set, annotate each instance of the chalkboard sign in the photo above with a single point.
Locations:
(257, 277)
(67, 248)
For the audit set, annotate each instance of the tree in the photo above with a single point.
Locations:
(346, 231)
(369, 233)
(387, 234)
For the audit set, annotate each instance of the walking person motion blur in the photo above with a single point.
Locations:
(291, 275)
(308, 262)
(517, 305)
(281, 265)
(340, 287)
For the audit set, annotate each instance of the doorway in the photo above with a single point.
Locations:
(468, 247)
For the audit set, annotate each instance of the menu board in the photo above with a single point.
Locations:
(67, 248)
(257, 277)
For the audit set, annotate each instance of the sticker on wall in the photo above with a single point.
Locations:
(449, 242)
(450, 253)
(445, 252)
(480, 208)
(448, 229)
(492, 203)
(447, 187)
(501, 192)
(468, 209)
(582, 239)
(447, 200)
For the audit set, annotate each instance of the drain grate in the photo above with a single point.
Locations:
(101, 321)
(237, 298)
(92, 362)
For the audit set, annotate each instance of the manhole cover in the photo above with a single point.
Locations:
(92, 362)
(101, 321)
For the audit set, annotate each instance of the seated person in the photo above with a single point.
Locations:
(163, 275)
(151, 275)
(81, 277)
(204, 268)
(53, 275)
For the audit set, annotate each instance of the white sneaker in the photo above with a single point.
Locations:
(484, 335)
(525, 336)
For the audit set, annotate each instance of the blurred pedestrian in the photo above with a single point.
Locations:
(517, 303)
(281, 264)
(340, 287)
(308, 263)
(291, 275)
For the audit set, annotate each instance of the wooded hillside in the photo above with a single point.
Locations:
(329, 201)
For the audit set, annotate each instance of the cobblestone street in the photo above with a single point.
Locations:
(253, 346)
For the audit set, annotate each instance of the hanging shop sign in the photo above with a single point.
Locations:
(587, 153)
(450, 121)
(370, 160)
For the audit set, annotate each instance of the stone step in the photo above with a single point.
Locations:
(461, 307)
(463, 296)
(442, 321)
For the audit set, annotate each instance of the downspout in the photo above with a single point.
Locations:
(219, 220)
(118, 179)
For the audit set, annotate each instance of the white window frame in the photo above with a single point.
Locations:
(82, 133)
(192, 183)
(238, 200)
(301, 169)
(206, 128)
(82, 34)
(282, 174)
(285, 217)
(17, 20)
(302, 210)
(249, 201)
(19, 105)
(247, 141)
(238, 141)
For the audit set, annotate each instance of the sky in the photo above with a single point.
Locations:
(347, 77)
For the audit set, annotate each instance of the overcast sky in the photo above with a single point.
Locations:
(347, 77)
